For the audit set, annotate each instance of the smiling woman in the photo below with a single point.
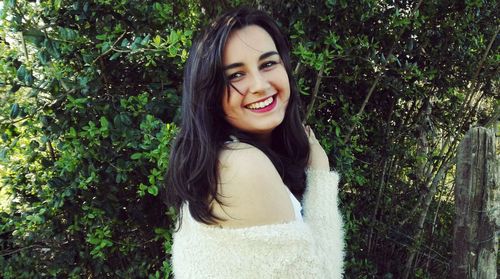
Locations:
(252, 185)
(259, 89)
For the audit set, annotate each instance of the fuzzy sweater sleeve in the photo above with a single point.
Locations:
(321, 213)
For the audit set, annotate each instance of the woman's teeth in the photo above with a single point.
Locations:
(262, 104)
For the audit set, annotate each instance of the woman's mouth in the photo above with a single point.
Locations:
(263, 106)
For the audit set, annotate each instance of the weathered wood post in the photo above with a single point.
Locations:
(477, 207)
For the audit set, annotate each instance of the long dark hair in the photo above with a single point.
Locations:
(192, 175)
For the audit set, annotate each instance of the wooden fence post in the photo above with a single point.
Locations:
(477, 207)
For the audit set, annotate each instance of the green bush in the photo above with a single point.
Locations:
(90, 103)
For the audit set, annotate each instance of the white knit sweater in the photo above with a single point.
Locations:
(313, 248)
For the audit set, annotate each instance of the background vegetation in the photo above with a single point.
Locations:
(90, 92)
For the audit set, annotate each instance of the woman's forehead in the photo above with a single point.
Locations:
(249, 40)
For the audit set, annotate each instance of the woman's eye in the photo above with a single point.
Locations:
(235, 76)
(268, 64)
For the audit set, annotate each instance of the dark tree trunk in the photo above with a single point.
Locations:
(477, 197)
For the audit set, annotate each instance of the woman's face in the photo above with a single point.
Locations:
(256, 100)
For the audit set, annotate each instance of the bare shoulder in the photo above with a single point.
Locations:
(250, 188)
(235, 151)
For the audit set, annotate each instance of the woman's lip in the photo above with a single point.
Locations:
(260, 100)
(270, 107)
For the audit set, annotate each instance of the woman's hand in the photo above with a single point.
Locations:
(318, 160)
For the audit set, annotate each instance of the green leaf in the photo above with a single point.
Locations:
(153, 190)
(86, 6)
(105, 46)
(138, 40)
(66, 84)
(146, 40)
(119, 178)
(136, 156)
(173, 38)
(28, 79)
(67, 34)
(87, 58)
(43, 56)
(14, 111)
(52, 48)
(104, 122)
(21, 73)
(125, 119)
(57, 4)
(172, 51)
(157, 40)
(34, 36)
(125, 43)
(115, 55)
(3, 153)
(382, 58)
(102, 37)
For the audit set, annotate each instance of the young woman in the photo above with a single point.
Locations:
(243, 165)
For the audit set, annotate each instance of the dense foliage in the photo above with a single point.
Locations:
(90, 93)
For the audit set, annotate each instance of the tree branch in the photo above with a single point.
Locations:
(474, 81)
(315, 91)
(51, 150)
(20, 249)
(25, 49)
(110, 49)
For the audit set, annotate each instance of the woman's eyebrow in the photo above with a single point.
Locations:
(239, 64)
(267, 54)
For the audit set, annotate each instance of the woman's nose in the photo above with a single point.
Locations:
(259, 83)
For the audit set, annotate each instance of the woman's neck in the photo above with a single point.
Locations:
(264, 139)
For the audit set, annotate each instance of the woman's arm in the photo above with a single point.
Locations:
(321, 210)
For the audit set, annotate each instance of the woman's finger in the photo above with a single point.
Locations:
(310, 135)
(307, 129)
